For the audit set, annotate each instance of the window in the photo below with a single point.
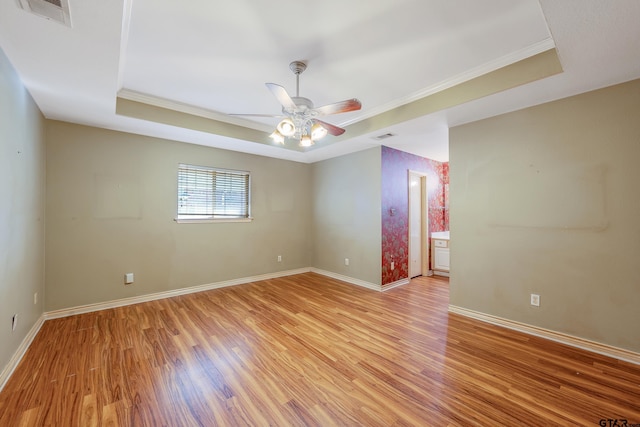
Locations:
(210, 194)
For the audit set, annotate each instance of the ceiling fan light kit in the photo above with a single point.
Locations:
(306, 141)
(277, 137)
(286, 127)
(318, 131)
(301, 122)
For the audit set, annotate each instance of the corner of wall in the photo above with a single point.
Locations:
(22, 189)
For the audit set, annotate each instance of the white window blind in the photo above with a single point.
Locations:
(210, 193)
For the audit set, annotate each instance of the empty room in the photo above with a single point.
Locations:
(414, 213)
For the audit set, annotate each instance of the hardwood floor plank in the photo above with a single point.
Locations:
(313, 351)
(29, 418)
(89, 411)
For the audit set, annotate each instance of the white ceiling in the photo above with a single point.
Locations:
(213, 58)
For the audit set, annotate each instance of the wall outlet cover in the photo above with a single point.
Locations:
(535, 300)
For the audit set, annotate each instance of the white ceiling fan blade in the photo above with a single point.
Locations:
(282, 96)
(333, 130)
(339, 107)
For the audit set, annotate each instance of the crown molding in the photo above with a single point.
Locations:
(144, 98)
(488, 67)
(481, 70)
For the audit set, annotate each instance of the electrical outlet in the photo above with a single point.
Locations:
(535, 300)
(393, 265)
(346, 261)
(128, 278)
(14, 322)
(35, 298)
(279, 258)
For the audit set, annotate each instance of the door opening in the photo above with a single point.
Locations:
(418, 225)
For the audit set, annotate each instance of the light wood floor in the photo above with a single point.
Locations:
(308, 350)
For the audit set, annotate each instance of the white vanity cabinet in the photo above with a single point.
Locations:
(440, 244)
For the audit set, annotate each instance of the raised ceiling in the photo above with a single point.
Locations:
(176, 69)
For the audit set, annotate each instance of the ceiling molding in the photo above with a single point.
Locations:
(124, 41)
(153, 113)
(533, 68)
(489, 67)
(471, 74)
(192, 110)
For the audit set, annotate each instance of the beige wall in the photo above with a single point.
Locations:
(546, 200)
(111, 203)
(346, 215)
(22, 190)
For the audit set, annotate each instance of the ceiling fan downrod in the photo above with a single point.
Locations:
(297, 67)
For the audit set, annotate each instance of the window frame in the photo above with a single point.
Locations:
(204, 218)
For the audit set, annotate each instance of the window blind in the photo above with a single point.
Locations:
(205, 193)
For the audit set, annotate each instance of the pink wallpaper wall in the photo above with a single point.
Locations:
(395, 206)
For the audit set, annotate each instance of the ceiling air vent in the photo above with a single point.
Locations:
(384, 136)
(54, 10)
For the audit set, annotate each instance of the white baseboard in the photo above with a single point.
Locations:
(395, 284)
(22, 349)
(65, 312)
(440, 273)
(362, 283)
(347, 279)
(167, 294)
(595, 347)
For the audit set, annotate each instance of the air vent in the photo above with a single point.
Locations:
(384, 136)
(54, 10)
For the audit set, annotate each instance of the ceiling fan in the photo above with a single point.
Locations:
(300, 117)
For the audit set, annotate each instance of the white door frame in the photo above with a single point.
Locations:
(424, 221)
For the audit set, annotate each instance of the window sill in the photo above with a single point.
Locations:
(210, 220)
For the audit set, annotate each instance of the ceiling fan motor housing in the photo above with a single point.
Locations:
(302, 103)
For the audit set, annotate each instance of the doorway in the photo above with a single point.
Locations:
(418, 225)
